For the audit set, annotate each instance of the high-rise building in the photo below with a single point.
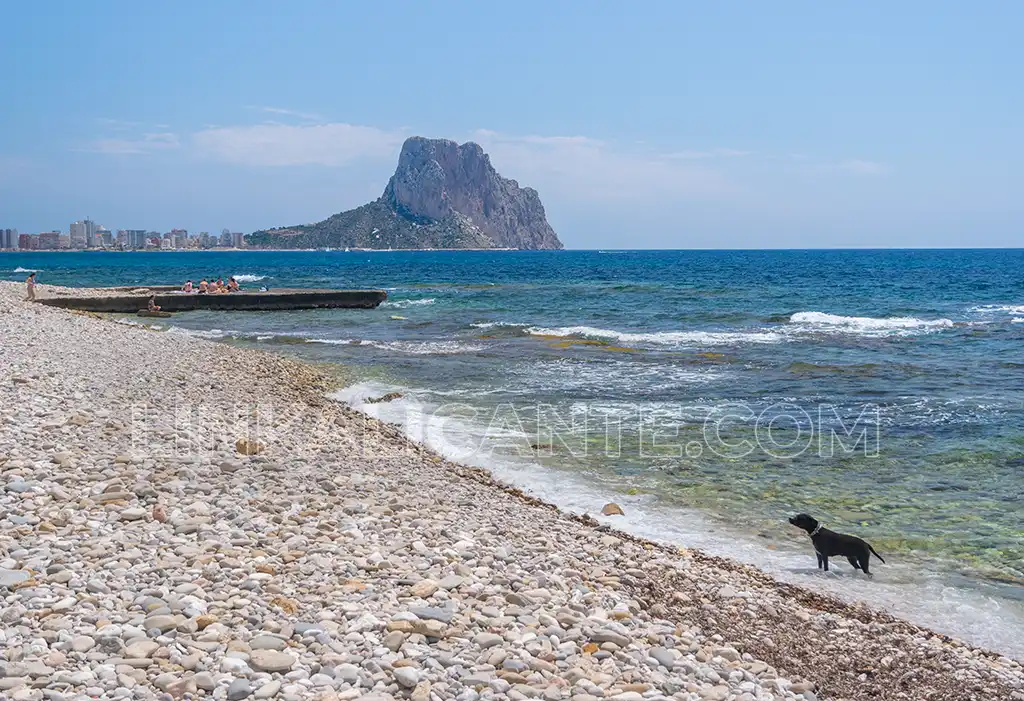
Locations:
(238, 239)
(90, 233)
(135, 238)
(27, 242)
(8, 238)
(79, 234)
(101, 237)
(49, 240)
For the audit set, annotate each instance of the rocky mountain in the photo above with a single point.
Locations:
(442, 195)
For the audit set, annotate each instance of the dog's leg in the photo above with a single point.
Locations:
(865, 559)
(824, 559)
(853, 562)
(821, 560)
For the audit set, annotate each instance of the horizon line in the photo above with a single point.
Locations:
(540, 250)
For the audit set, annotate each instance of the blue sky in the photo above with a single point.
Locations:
(654, 124)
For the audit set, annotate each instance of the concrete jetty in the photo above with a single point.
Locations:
(118, 302)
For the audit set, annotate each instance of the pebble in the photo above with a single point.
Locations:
(12, 578)
(407, 676)
(133, 514)
(347, 673)
(267, 642)
(205, 681)
(486, 640)
(268, 690)
(83, 643)
(239, 689)
(272, 660)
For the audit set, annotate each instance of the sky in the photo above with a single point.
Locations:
(660, 124)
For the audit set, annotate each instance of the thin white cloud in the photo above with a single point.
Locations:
(289, 145)
(147, 143)
(862, 167)
(582, 168)
(706, 155)
(481, 135)
(109, 123)
(309, 116)
(573, 168)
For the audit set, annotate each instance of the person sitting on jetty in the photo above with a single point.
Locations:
(187, 289)
(30, 288)
(204, 286)
(220, 284)
(233, 285)
(153, 306)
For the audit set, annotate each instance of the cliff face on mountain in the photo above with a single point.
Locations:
(442, 195)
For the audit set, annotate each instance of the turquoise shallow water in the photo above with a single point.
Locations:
(715, 383)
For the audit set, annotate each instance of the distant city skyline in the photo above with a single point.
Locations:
(660, 125)
(86, 234)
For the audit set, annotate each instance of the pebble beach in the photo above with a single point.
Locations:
(181, 518)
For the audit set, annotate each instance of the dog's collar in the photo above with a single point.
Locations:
(815, 531)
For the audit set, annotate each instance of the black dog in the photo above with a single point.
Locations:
(829, 543)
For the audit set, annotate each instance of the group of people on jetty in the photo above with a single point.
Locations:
(211, 288)
(203, 288)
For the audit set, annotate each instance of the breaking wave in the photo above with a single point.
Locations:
(663, 338)
(402, 303)
(867, 324)
(250, 278)
(1008, 308)
(498, 324)
(412, 347)
(200, 333)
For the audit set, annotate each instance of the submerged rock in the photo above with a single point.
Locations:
(612, 509)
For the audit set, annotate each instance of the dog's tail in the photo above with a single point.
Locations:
(874, 553)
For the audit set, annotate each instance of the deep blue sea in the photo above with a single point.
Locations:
(710, 393)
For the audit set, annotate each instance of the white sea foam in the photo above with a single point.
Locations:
(428, 347)
(869, 325)
(926, 598)
(249, 278)
(663, 338)
(411, 347)
(177, 330)
(200, 333)
(498, 324)
(992, 308)
(600, 379)
(1017, 320)
(138, 324)
(26, 270)
(403, 303)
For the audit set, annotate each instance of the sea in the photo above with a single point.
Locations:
(710, 394)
